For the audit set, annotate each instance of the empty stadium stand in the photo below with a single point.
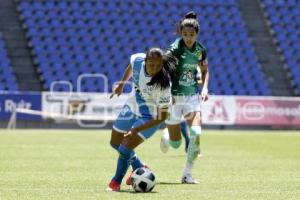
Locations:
(265, 48)
(69, 38)
(7, 78)
(283, 17)
(17, 48)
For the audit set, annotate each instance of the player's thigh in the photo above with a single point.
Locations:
(122, 125)
(193, 118)
(145, 134)
(174, 131)
(192, 110)
(132, 141)
(116, 137)
(175, 111)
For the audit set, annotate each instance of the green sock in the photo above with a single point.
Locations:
(193, 148)
(175, 144)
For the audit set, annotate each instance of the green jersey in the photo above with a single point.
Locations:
(185, 83)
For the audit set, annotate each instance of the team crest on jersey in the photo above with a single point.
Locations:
(187, 79)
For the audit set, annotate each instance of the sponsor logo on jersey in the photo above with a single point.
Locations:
(190, 66)
(125, 110)
(164, 99)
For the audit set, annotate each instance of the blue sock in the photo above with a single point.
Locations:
(125, 155)
(135, 161)
(184, 132)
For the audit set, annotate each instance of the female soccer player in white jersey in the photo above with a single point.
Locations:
(145, 109)
(191, 56)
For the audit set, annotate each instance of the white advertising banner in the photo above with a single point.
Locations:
(218, 110)
(82, 107)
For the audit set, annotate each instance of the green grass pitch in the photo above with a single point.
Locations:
(78, 164)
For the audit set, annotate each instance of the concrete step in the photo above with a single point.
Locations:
(15, 24)
(7, 4)
(22, 61)
(15, 34)
(24, 76)
(29, 87)
(19, 52)
(17, 47)
(16, 44)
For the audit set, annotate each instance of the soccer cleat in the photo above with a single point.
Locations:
(188, 179)
(129, 180)
(113, 186)
(164, 141)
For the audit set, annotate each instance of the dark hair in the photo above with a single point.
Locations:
(167, 73)
(189, 20)
(154, 52)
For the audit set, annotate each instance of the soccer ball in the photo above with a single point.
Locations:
(143, 180)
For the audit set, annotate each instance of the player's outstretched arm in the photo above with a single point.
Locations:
(118, 88)
(205, 77)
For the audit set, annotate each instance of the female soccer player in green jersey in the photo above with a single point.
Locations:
(191, 56)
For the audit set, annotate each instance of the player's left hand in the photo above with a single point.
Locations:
(204, 94)
(117, 90)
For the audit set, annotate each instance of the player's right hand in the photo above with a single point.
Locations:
(204, 94)
(117, 90)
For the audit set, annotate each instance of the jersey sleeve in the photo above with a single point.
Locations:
(174, 48)
(136, 64)
(204, 60)
(136, 58)
(204, 55)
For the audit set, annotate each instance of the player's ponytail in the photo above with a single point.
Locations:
(190, 15)
(189, 20)
(164, 77)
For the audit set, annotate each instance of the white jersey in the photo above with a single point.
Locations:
(146, 99)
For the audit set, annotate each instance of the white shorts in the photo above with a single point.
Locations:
(183, 105)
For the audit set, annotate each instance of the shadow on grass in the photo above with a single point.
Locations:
(168, 183)
(133, 192)
(130, 191)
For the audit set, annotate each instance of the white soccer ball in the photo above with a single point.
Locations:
(143, 180)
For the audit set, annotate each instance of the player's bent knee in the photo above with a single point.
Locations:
(114, 146)
(196, 130)
(175, 144)
(132, 142)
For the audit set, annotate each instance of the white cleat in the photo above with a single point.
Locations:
(188, 179)
(200, 154)
(164, 141)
